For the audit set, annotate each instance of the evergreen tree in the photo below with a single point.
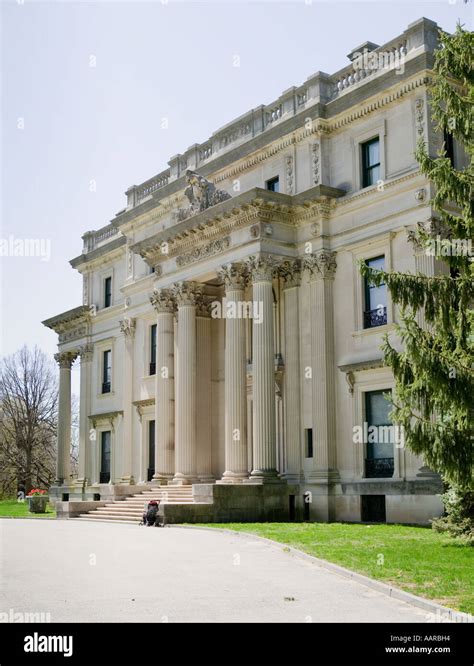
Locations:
(434, 373)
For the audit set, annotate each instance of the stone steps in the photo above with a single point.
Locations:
(130, 509)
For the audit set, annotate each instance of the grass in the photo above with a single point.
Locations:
(13, 509)
(415, 559)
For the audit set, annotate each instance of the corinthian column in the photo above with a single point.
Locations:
(290, 271)
(322, 269)
(164, 304)
(263, 370)
(236, 457)
(63, 461)
(203, 396)
(186, 294)
(84, 458)
(127, 327)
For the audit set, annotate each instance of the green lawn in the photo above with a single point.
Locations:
(415, 559)
(10, 507)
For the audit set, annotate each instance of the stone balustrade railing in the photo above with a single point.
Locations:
(92, 239)
(319, 87)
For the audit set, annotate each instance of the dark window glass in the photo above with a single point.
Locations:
(373, 509)
(273, 184)
(379, 460)
(151, 450)
(105, 457)
(107, 292)
(375, 307)
(370, 162)
(153, 350)
(449, 146)
(309, 442)
(107, 371)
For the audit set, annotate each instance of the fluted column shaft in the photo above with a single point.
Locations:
(127, 327)
(203, 396)
(322, 268)
(263, 371)
(291, 273)
(84, 458)
(186, 458)
(236, 455)
(164, 305)
(63, 460)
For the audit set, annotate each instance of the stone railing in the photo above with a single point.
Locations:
(320, 87)
(369, 63)
(93, 239)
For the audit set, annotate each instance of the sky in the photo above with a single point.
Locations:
(85, 87)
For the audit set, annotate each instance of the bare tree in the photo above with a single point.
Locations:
(28, 404)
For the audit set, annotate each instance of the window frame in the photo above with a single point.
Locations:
(107, 295)
(366, 297)
(106, 371)
(273, 181)
(152, 349)
(366, 168)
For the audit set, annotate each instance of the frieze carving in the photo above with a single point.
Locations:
(289, 171)
(420, 116)
(234, 276)
(73, 333)
(86, 352)
(187, 293)
(66, 359)
(127, 326)
(163, 301)
(290, 271)
(201, 193)
(203, 251)
(261, 267)
(321, 264)
(316, 156)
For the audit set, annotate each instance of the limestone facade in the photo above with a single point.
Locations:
(271, 399)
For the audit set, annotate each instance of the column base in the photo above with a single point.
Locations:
(207, 478)
(126, 480)
(233, 477)
(184, 479)
(264, 476)
(161, 479)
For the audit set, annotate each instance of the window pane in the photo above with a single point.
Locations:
(377, 409)
(373, 153)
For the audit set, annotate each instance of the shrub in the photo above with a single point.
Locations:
(458, 520)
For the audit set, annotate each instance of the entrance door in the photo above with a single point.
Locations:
(105, 457)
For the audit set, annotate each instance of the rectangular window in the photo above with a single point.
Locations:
(105, 450)
(370, 162)
(375, 306)
(309, 442)
(449, 146)
(373, 509)
(273, 184)
(380, 436)
(107, 292)
(153, 349)
(106, 371)
(151, 450)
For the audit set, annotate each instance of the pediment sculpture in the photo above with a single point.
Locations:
(201, 194)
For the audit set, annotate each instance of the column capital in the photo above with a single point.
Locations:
(235, 275)
(187, 293)
(127, 326)
(203, 305)
(290, 271)
(86, 352)
(66, 358)
(321, 264)
(261, 267)
(163, 301)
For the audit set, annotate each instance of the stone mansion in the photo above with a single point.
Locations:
(226, 339)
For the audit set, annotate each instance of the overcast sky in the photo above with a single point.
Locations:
(85, 86)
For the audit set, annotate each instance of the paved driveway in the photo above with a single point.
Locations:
(81, 571)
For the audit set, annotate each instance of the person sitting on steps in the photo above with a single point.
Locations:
(150, 515)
